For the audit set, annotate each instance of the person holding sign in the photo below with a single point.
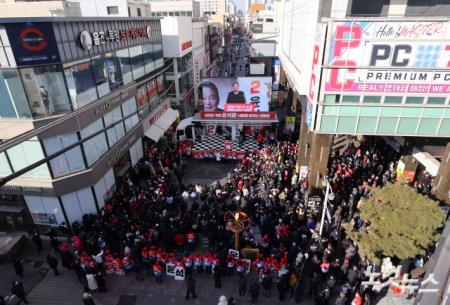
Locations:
(236, 96)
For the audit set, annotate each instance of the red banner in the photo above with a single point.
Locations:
(238, 115)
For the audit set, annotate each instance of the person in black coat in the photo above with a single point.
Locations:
(37, 241)
(53, 263)
(242, 285)
(66, 259)
(18, 290)
(190, 287)
(217, 276)
(254, 291)
(100, 281)
(18, 267)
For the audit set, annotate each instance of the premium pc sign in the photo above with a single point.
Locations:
(389, 57)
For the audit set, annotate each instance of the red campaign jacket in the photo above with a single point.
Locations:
(231, 262)
(259, 263)
(190, 237)
(198, 260)
(180, 239)
(157, 269)
(188, 261)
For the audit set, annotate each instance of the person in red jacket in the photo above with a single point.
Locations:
(188, 264)
(191, 240)
(198, 262)
(158, 272)
(231, 264)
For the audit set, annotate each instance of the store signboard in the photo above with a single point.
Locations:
(391, 57)
(33, 43)
(313, 92)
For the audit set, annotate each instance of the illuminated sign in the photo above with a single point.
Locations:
(87, 40)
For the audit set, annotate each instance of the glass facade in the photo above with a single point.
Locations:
(56, 89)
(45, 89)
(385, 115)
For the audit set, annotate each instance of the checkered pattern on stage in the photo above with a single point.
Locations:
(218, 142)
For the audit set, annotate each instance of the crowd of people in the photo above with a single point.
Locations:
(154, 221)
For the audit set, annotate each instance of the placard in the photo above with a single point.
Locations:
(233, 253)
(180, 273)
(170, 269)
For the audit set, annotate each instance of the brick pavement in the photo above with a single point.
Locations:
(66, 290)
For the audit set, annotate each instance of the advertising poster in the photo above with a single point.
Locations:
(141, 96)
(33, 43)
(160, 81)
(391, 57)
(152, 90)
(240, 94)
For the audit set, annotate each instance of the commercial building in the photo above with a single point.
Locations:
(378, 75)
(172, 8)
(94, 83)
(201, 56)
(178, 52)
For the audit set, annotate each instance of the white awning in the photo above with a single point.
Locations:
(154, 132)
(427, 160)
(167, 119)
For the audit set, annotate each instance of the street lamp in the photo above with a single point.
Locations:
(329, 195)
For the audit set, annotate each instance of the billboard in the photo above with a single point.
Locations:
(391, 57)
(32, 43)
(240, 94)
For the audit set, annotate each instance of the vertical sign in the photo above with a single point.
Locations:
(316, 68)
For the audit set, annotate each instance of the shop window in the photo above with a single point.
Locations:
(5, 169)
(25, 154)
(107, 74)
(387, 125)
(137, 62)
(350, 99)
(152, 91)
(444, 130)
(158, 55)
(125, 65)
(372, 99)
(407, 126)
(46, 90)
(346, 125)
(81, 85)
(328, 123)
(112, 10)
(436, 100)
(66, 163)
(95, 147)
(116, 132)
(128, 108)
(13, 102)
(367, 125)
(414, 100)
(428, 126)
(141, 96)
(393, 99)
(148, 58)
(161, 83)
(331, 98)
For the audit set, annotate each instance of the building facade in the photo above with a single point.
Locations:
(385, 77)
(96, 85)
(178, 51)
(171, 8)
